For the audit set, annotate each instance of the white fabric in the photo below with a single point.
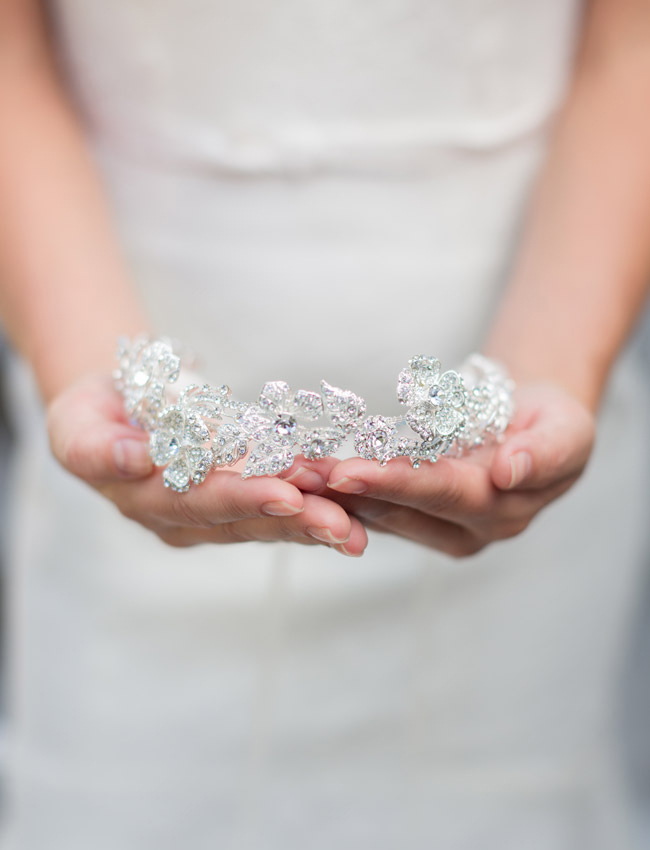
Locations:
(310, 190)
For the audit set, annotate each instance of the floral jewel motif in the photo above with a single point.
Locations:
(182, 439)
(436, 401)
(279, 421)
(430, 450)
(343, 408)
(374, 439)
(490, 402)
(207, 428)
(145, 368)
(283, 421)
(229, 444)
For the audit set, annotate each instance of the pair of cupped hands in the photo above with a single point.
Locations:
(456, 505)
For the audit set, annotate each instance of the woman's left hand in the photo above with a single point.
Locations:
(459, 505)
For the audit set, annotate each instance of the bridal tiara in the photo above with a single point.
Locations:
(203, 427)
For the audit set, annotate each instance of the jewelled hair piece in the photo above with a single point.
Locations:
(203, 427)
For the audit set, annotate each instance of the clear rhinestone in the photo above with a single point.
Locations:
(140, 378)
(448, 420)
(434, 395)
(285, 426)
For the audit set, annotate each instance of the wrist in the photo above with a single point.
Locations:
(583, 380)
(59, 363)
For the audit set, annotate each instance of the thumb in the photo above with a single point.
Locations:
(89, 437)
(553, 446)
(108, 453)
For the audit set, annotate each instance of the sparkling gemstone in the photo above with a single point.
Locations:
(434, 395)
(447, 420)
(285, 426)
(140, 378)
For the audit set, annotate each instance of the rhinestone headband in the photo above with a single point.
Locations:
(203, 427)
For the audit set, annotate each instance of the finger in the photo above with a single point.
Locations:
(90, 437)
(223, 497)
(357, 541)
(309, 475)
(342, 532)
(321, 520)
(435, 533)
(445, 488)
(552, 448)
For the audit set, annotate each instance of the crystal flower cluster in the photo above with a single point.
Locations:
(204, 427)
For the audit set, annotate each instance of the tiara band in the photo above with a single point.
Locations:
(204, 427)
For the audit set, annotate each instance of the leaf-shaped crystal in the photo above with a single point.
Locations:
(205, 400)
(200, 462)
(268, 459)
(229, 445)
(196, 431)
(448, 420)
(274, 395)
(177, 474)
(308, 404)
(450, 381)
(344, 408)
(254, 422)
(430, 450)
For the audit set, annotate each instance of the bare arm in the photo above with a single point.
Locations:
(577, 287)
(65, 294)
(584, 266)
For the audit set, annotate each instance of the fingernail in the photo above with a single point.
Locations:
(280, 509)
(342, 549)
(306, 478)
(521, 465)
(132, 456)
(325, 535)
(349, 485)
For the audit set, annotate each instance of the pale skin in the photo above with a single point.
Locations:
(577, 285)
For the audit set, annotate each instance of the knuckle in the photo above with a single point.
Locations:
(230, 506)
(187, 512)
(446, 499)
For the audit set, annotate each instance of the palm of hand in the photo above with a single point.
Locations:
(460, 505)
(455, 505)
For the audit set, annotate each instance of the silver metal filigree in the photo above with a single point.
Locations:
(182, 439)
(450, 412)
(145, 369)
(490, 401)
(436, 399)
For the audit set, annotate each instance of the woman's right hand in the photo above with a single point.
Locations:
(91, 437)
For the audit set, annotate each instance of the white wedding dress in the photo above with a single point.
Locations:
(304, 190)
